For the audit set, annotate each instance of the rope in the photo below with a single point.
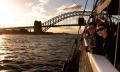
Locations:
(76, 42)
(82, 16)
(94, 6)
(76, 39)
(116, 44)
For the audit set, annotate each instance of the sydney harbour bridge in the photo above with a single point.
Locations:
(65, 19)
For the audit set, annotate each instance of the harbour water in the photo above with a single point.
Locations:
(34, 53)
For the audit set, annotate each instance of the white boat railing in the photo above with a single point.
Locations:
(95, 63)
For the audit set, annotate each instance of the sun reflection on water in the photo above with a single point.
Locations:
(2, 49)
(31, 53)
(2, 52)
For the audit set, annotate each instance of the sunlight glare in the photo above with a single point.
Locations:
(2, 50)
(8, 12)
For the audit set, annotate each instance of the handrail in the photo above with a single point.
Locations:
(94, 63)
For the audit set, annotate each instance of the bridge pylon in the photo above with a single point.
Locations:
(38, 27)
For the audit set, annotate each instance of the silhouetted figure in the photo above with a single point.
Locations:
(108, 46)
(94, 41)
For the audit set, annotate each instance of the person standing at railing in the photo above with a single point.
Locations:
(94, 41)
(108, 46)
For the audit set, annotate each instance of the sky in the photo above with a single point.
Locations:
(14, 13)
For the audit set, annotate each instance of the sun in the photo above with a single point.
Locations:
(8, 13)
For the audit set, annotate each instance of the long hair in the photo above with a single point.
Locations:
(105, 25)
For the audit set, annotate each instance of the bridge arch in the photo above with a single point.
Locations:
(54, 20)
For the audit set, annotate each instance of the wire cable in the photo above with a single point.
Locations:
(116, 44)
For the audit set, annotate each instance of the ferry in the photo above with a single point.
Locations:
(87, 61)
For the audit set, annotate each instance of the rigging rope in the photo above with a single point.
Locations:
(76, 43)
(116, 43)
(79, 37)
(76, 39)
(94, 6)
(82, 16)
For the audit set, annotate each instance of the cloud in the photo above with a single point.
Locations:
(25, 12)
(38, 10)
(43, 2)
(28, 11)
(61, 9)
(22, 12)
(73, 7)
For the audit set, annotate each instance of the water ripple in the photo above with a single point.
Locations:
(34, 53)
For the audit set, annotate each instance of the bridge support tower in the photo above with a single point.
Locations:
(38, 27)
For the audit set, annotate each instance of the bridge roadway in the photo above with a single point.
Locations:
(41, 26)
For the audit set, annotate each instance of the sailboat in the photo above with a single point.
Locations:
(90, 62)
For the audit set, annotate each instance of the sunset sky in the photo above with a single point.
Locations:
(25, 12)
